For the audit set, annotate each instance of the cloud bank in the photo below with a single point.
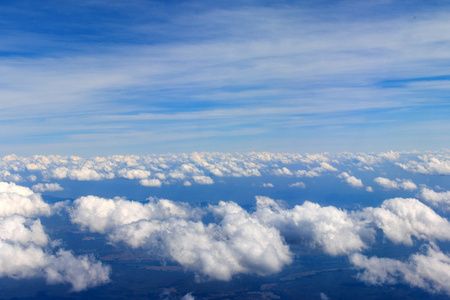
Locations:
(221, 241)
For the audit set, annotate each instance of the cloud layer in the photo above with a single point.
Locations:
(220, 241)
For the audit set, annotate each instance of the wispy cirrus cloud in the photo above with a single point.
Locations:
(277, 69)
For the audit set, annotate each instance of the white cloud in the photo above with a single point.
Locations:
(181, 167)
(8, 176)
(298, 185)
(238, 243)
(30, 260)
(428, 164)
(177, 175)
(351, 180)
(429, 271)
(103, 215)
(267, 185)
(134, 174)
(82, 272)
(203, 179)
(369, 189)
(160, 176)
(391, 155)
(408, 185)
(386, 183)
(151, 182)
(19, 230)
(282, 171)
(436, 198)
(401, 219)
(26, 251)
(316, 172)
(329, 228)
(15, 199)
(83, 174)
(16, 189)
(44, 187)
(188, 296)
(404, 184)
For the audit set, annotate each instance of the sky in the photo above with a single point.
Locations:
(136, 77)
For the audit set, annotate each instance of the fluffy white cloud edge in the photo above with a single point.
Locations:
(26, 251)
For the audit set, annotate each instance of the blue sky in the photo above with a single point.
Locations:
(98, 78)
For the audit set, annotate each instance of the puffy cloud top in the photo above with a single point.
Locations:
(102, 215)
(203, 180)
(329, 228)
(407, 185)
(151, 182)
(26, 251)
(44, 187)
(436, 198)
(428, 164)
(351, 180)
(20, 200)
(401, 219)
(238, 243)
(429, 271)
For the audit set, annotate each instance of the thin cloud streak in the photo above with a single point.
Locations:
(236, 63)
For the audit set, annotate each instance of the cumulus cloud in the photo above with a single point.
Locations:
(267, 185)
(315, 172)
(402, 219)
(328, 228)
(44, 187)
(83, 174)
(22, 231)
(82, 272)
(134, 174)
(429, 271)
(177, 175)
(15, 199)
(26, 251)
(103, 215)
(282, 171)
(150, 182)
(203, 179)
(298, 185)
(436, 198)
(428, 164)
(386, 183)
(351, 180)
(181, 167)
(188, 296)
(27, 260)
(390, 155)
(8, 176)
(237, 243)
(404, 184)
